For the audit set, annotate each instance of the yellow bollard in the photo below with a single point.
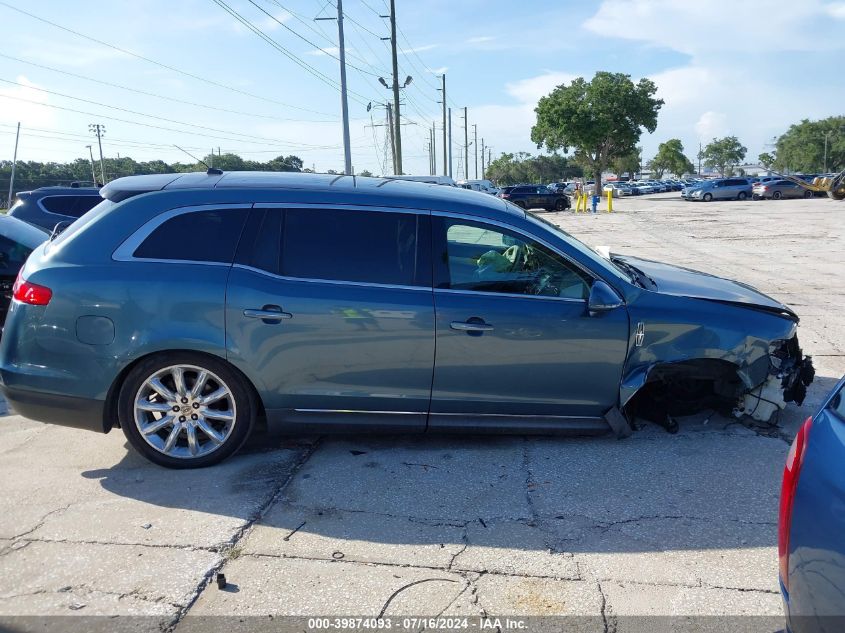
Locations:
(610, 201)
(577, 201)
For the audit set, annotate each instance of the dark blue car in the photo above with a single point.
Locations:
(188, 308)
(811, 534)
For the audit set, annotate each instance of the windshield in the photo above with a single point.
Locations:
(597, 260)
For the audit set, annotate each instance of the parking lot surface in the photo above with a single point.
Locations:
(655, 524)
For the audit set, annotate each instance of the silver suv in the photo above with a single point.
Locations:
(722, 189)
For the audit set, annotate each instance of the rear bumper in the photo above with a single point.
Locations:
(80, 413)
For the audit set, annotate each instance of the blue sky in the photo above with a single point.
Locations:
(743, 67)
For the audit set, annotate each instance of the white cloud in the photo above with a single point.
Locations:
(328, 50)
(481, 39)
(711, 125)
(720, 26)
(439, 71)
(24, 105)
(836, 10)
(419, 49)
(530, 90)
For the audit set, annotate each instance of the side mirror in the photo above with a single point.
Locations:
(602, 298)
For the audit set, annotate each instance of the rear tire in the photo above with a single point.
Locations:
(808, 194)
(561, 205)
(185, 409)
(777, 195)
(741, 195)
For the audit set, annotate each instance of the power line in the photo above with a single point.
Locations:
(305, 39)
(151, 116)
(160, 64)
(363, 100)
(149, 125)
(158, 96)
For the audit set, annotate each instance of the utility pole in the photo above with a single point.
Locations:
(699, 159)
(482, 157)
(826, 137)
(450, 142)
(93, 172)
(489, 155)
(398, 125)
(475, 146)
(443, 90)
(433, 149)
(390, 127)
(211, 158)
(344, 102)
(466, 146)
(99, 130)
(14, 164)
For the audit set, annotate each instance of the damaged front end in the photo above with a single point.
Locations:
(736, 385)
(790, 373)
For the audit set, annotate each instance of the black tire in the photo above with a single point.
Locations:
(808, 194)
(741, 195)
(756, 197)
(245, 407)
(562, 204)
(707, 197)
(777, 195)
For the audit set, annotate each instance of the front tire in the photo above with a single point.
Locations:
(808, 194)
(707, 197)
(741, 196)
(561, 205)
(777, 195)
(186, 410)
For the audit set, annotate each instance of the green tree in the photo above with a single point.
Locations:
(509, 169)
(767, 160)
(670, 158)
(628, 163)
(602, 119)
(723, 154)
(801, 147)
(366, 173)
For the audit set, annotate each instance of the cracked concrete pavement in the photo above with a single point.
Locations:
(655, 524)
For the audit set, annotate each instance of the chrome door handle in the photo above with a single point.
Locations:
(470, 326)
(268, 315)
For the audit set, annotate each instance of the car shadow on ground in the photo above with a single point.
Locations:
(714, 485)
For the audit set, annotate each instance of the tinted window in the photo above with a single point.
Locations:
(361, 246)
(485, 258)
(12, 254)
(72, 206)
(200, 236)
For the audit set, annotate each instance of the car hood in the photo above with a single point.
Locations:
(684, 282)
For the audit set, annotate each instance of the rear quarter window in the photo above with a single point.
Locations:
(198, 236)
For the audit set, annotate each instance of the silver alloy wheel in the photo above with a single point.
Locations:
(185, 411)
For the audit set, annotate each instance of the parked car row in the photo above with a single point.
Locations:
(536, 197)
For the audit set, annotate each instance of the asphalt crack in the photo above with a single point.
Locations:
(275, 497)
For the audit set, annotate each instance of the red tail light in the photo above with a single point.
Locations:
(30, 293)
(794, 461)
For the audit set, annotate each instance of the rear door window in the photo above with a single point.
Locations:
(377, 247)
(196, 236)
(71, 206)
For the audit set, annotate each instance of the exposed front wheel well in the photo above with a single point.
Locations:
(110, 410)
(685, 388)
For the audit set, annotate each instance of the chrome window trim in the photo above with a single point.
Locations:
(361, 411)
(512, 295)
(519, 415)
(510, 227)
(124, 252)
(335, 282)
(335, 206)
